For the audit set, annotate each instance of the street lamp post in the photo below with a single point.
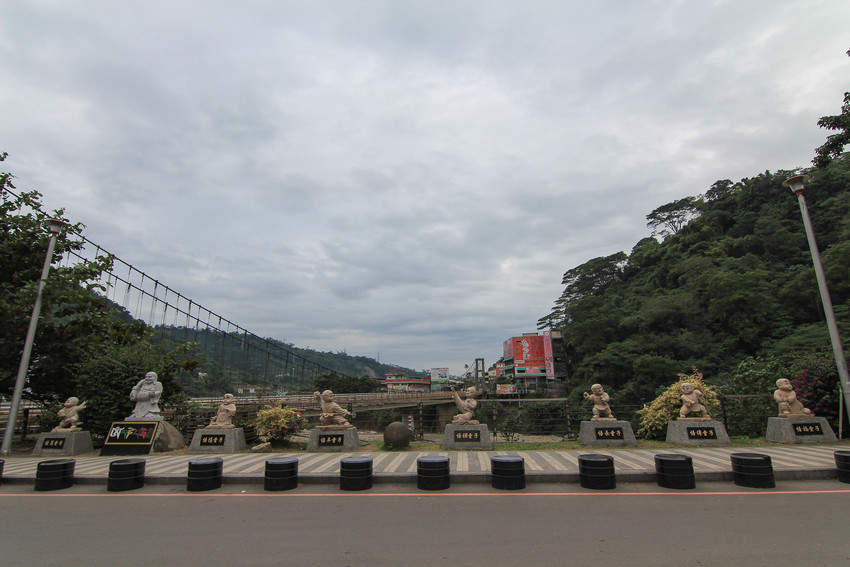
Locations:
(797, 184)
(54, 226)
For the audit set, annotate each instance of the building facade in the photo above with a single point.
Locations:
(534, 363)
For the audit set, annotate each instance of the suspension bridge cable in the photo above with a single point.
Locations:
(274, 352)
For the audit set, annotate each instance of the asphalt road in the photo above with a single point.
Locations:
(717, 524)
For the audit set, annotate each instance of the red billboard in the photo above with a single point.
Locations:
(528, 352)
(508, 349)
(550, 357)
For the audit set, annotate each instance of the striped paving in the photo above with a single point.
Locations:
(789, 462)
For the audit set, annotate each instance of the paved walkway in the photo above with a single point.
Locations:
(791, 462)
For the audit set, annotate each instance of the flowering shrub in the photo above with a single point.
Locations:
(277, 424)
(816, 386)
(655, 416)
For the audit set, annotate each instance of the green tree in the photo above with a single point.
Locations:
(649, 372)
(834, 145)
(593, 277)
(748, 392)
(105, 380)
(339, 384)
(73, 316)
(83, 347)
(754, 375)
(736, 281)
(673, 217)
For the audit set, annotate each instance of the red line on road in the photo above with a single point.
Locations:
(207, 494)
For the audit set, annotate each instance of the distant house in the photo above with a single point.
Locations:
(399, 382)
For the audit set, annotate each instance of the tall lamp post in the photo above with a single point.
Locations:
(54, 226)
(797, 184)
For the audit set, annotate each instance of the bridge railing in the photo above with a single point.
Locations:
(309, 401)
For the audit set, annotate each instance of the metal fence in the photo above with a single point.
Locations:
(550, 420)
(557, 419)
(27, 420)
(746, 415)
(510, 419)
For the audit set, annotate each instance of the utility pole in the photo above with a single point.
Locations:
(54, 226)
(797, 184)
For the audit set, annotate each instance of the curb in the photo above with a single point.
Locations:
(460, 478)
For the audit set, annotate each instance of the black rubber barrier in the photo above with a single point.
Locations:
(204, 474)
(281, 474)
(126, 474)
(432, 473)
(55, 474)
(355, 473)
(842, 463)
(596, 471)
(752, 470)
(507, 472)
(674, 471)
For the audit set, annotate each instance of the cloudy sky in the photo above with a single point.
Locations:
(400, 178)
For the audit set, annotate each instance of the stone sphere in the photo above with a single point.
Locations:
(397, 435)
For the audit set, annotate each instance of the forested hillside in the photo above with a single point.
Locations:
(228, 359)
(727, 275)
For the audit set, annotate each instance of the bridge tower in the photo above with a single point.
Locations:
(479, 372)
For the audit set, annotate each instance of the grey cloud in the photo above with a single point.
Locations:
(405, 178)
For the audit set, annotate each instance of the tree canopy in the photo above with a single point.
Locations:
(834, 145)
(729, 278)
(73, 318)
(84, 346)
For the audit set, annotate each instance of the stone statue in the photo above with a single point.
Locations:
(789, 405)
(601, 409)
(691, 402)
(223, 419)
(466, 407)
(146, 394)
(69, 415)
(332, 412)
